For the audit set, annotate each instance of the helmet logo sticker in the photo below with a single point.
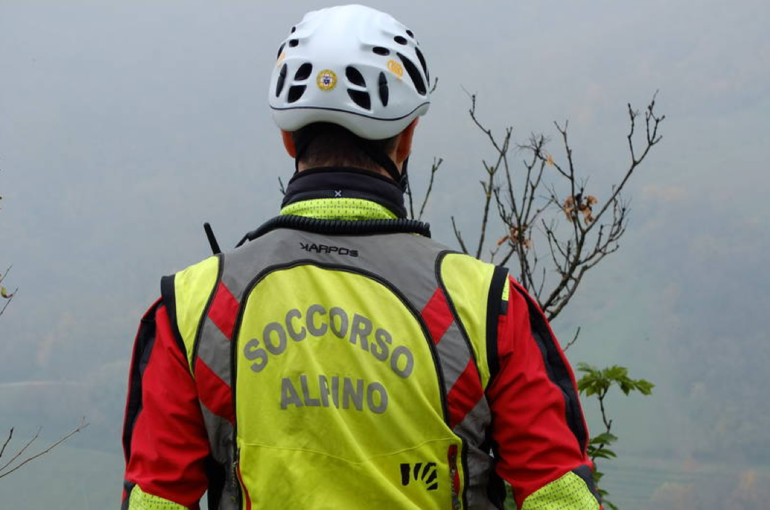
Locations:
(326, 80)
(396, 68)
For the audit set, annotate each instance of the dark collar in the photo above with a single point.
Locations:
(345, 182)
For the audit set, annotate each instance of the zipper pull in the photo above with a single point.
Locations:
(454, 477)
(237, 488)
(234, 478)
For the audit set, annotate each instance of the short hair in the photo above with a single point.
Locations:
(330, 144)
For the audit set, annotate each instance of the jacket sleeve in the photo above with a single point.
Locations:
(538, 427)
(164, 437)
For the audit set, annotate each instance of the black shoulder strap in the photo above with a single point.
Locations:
(168, 297)
(496, 307)
(143, 344)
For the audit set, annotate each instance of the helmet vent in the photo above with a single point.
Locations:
(293, 29)
(354, 76)
(281, 81)
(295, 93)
(423, 64)
(280, 50)
(303, 73)
(400, 40)
(294, 43)
(379, 50)
(410, 33)
(383, 88)
(361, 98)
(414, 74)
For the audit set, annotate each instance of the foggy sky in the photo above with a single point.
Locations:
(124, 126)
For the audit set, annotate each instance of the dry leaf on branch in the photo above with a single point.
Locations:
(514, 236)
(569, 207)
(572, 204)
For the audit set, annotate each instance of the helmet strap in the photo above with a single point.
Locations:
(403, 182)
(302, 142)
(378, 156)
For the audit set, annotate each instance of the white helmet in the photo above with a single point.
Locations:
(352, 66)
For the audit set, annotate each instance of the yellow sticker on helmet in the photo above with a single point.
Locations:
(326, 80)
(396, 68)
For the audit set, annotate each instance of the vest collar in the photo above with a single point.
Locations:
(343, 193)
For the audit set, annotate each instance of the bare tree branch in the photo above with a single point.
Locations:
(21, 451)
(4, 471)
(488, 186)
(531, 201)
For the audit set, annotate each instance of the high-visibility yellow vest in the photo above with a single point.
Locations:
(344, 371)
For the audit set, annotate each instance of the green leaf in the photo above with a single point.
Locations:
(616, 373)
(602, 454)
(644, 387)
(604, 438)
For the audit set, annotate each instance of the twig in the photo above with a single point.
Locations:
(8, 301)
(487, 187)
(4, 275)
(459, 236)
(10, 436)
(574, 339)
(606, 421)
(8, 297)
(433, 170)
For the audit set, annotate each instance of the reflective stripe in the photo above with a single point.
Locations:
(192, 289)
(464, 395)
(214, 392)
(454, 356)
(224, 310)
(473, 427)
(215, 351)
(437, 315)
